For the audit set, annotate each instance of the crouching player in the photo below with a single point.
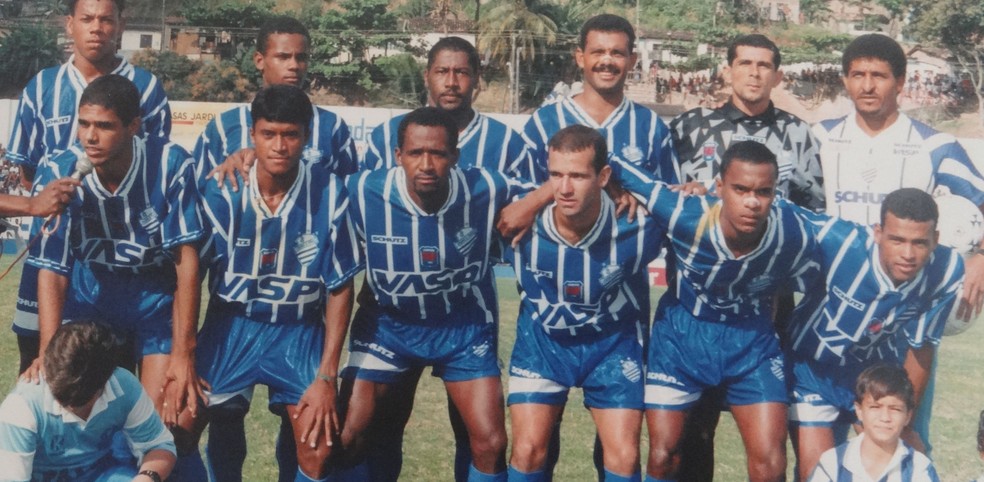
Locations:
(282, 256)
(713, 327)
(62, 428)
(883, 296)
(129, 242)
(581, 273)
(427, 226)
(884, 401)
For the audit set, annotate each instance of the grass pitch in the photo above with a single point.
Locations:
(429, 445)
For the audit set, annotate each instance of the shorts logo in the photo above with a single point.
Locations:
(398, 240)
(524, 373)
(429, 256)
(632, 153)
(777, 369)
(306, 248)
(149, 221)
(243, 242)
(573, 292)
(268, 258)
(312, 154)
(611, 275)
(709, 151)
(464, 241)
(631, 371)
(664, 378)
(482, 349)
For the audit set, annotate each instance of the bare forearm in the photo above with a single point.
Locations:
(11, 205)
(187, 301)
(918, 364)
(160, 461)
(51, 302)
(337, 314)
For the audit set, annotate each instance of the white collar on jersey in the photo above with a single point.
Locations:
(399, 177)
(853, 463)
(136, 171)
(287, 203)
(585, 119)
(79, 80)
(549, 223)
(721, 244)
(884, 281)
(109, 393)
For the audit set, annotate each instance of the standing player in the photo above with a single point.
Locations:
(282, 256)
(713, 326)
(883, 296)
(282, 58)
(125, 250)
(700, 137)
(427, 226)
(452, 75)
(581, 275)
(878, 149)
(45, 126)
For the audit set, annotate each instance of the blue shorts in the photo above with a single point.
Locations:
(607, 365)
(236, 353)
(106, 469)
(382, 346)
(133, 304)
(26, 313)
(822, 395)
(687, 356)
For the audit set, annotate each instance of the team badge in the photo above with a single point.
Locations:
(573, 291)
(429, 257)
(876, 326)
(869, 175)
(760, 283)
(709, 151)
(611, 275)
(632, 153)
(464, 241)
(306, 248)
(631, 371)
(268, 258)
(312, 154)
(149, 221)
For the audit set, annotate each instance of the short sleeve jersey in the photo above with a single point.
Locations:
(45, 124)
(39, 438)
(590, 286)
(634, 133)
(276, 266)
(860, 170)
(853, 312)
(702, 135)
(154, 209)
(844, 464)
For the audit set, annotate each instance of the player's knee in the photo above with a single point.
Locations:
(663, 461)
(622, 458)
(313, 460)
(527, 456)
(767, 467)
(185, 440)
(489, 445)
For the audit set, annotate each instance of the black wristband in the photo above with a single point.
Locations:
(152, 474)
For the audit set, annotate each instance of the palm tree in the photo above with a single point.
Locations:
(528, 25)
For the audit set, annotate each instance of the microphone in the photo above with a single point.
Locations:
(82, 167)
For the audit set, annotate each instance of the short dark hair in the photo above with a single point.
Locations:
(882, 380)
(282, 103)
(577, 138)
(116, 93)
(751, 152)
(455, 44)
(607, 22)
(71, 4)
(875, 46)
(79, 361)
(912, 204)
(429, 117)
(280, 24)
(756, 40)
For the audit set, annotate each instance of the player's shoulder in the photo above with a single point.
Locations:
(328, 117)
(695, 116)
(928, 133)
(788, 119)
(828, 125)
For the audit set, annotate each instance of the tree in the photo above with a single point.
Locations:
(25, 50)
(957, 25)
(229, 14)
(527, 25)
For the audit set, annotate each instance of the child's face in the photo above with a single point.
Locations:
(883, 419)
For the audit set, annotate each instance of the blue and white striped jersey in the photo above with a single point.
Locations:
(154, 209)
(276, 266)
(329, 141)
(39, 437)
(853, 313)
(844, 464)
(485, 142)
(428, 265)
(589, 286)
(635, 134)
(45, 124)
(860, 170)
(712, 283)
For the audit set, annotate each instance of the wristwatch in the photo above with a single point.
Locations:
(152, 474)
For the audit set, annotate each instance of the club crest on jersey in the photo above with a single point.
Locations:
(429, 257)
(464, 241)
(268, 258)
(573, 291)
(611, 275)
(876, 326)
(760, 283)
(306, 248)
(709, 151)
(149, 221)
(869, 175)
(312, 154)
(632, 153)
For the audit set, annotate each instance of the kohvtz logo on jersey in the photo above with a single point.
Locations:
(464, 241)
(429, 257)
(148, 220)
(709, 151)
(306, 248)
(268, 258)
(611, 275)
(573, 291)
